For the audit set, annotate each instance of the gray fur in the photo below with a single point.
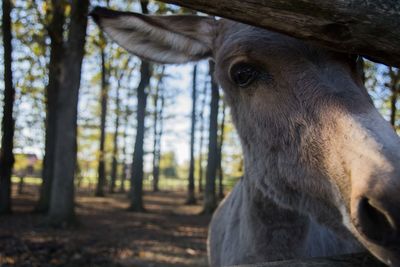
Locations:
(313, 142)
(247, 229)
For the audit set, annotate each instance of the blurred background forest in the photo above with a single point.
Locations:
(107, 160)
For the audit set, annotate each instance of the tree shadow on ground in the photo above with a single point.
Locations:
(168, 234)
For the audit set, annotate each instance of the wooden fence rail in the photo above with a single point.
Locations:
(368, 28)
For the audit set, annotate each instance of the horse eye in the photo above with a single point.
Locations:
(243, 74)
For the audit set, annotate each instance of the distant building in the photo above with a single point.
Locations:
(27, 164)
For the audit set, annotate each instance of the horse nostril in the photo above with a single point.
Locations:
(375, 223)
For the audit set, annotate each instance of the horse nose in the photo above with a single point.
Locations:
(378, 221)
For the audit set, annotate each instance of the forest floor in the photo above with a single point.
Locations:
(168, 234)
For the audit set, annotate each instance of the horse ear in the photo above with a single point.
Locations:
(163, 39)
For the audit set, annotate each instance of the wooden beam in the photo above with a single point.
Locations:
(364, 27)
(354, 260)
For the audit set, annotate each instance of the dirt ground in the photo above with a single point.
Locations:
(168, 234)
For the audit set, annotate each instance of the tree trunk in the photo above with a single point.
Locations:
(7, 123)
(56, 32)
(210, 201)
(368, 28)
(221, 142)
(104, 99)
(155, 144)
(21, 185)
(156, 170)
(158, 97)
(114, 165)
(191, 195)
(61, 210)
(155, 134)
(123, 176)
(137, 162)
(125, 136)
(393, 109)
(203, 105)
(394, 89)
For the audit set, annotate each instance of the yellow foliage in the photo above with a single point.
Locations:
(22, 162)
